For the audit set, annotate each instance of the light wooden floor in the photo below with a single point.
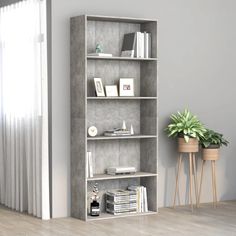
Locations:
(203, 222)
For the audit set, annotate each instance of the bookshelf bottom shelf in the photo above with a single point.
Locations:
(105, 216)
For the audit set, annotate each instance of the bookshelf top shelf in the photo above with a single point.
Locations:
(119, 19)
(124, 176)
(120, 58)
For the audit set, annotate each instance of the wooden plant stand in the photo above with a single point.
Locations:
(190, 149)
(210, 155)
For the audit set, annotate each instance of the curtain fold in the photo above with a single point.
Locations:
(24, 178)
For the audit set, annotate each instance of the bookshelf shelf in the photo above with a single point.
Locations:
(141, 111)
(121, 98)
(106, 216)
(125, 176)
(119, 19)
(120, 58)
(121, 137)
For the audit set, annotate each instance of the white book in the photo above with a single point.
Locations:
(147, 45)
(142, 45)
(145, 200)
(90, 165)
(88, 168)
(142, 200)
(87, 172)
(139, 45)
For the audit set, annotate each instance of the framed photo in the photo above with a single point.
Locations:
(111, 91)
(99, 87)
(126, 87)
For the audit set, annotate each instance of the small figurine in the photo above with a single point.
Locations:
(94, 206)
(124, 125)
(131, 130)
(99, 48)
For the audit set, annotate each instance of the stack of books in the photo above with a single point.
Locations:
(117, 132)
(141, 191)
(121, 201)
(137, 44)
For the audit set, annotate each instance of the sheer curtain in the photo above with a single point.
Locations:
(24, 177)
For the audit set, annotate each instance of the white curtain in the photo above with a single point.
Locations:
(24, 177)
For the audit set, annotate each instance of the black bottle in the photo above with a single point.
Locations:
(94, 208)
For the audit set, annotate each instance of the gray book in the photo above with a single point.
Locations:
(128, 46)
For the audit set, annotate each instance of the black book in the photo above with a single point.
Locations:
(128, 46)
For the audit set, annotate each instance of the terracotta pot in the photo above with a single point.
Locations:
(191, 146)
(210, 154)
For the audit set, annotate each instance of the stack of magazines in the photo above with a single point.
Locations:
(117, 132)
(141, 191)
(121, 201)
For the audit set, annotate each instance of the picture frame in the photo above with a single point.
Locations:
(99, 87)
(111, 91)
(126, 88)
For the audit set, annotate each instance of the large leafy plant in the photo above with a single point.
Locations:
(213, 138)
(185, 124)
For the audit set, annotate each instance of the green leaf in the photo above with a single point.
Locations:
(186, 138)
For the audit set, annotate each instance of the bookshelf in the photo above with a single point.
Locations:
(139, 150)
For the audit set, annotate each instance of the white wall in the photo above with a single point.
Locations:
(197, 54)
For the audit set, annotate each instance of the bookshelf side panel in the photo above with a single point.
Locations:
(151, 27)
(78, 117)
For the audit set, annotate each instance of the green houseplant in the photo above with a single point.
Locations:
(211, 143)
(212, 139)
(187, 128)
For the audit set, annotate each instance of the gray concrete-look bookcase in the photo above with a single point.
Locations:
(139, 150)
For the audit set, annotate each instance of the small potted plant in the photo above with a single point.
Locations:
(188, 129)
(211, 143)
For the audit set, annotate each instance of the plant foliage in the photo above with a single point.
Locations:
(185, 124)
(212, 138)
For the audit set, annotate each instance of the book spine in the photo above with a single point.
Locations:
(145, 200)
(142, 205)
(90, 164)
(138, 44)
(87, 172)
(149, 45)
(142, 45)
(146, 45)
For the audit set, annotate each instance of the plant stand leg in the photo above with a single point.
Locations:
(213, 182)
(214, 165)
(177, 179)
(195, 177)
(200, 188)
(190, 180)
(180, 165)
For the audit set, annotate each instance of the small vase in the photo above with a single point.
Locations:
(94, 208)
